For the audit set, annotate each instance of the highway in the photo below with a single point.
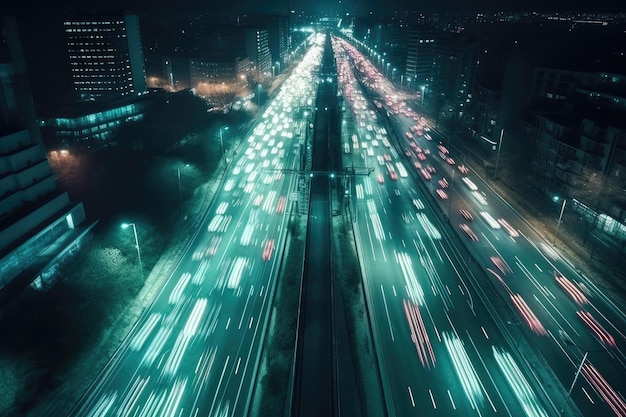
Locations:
(196, 351)
(559, 312)
(432, 284)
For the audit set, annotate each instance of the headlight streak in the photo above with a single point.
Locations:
(359, 191)
(464, 370)
(234, 278)
(210, 324)
(171, 405)
(518, 383)
(198, 277)
(573, 291)
(142, 335)
(604, 336)
(368, 186)
(419, 335)
(433, 275)
(428, 227)
(605, 390)
(413, 287)
(177, 292)
(103, 406)
(184, 338)
(528, 315)
(379, 232)
(128, 402)
(154, 350)
(268, 205)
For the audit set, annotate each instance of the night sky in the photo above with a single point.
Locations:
(332, 7)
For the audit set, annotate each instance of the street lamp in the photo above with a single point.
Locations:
(560, 217)
(422, 87)
(495, 171)
(222, 140)
(124, 226)
(568, 341)
(180, 188)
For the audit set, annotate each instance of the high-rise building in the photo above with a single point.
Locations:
(106, 56)
(39, 225)
(277, 33)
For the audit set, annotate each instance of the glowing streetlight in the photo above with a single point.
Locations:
(124, 226)
(566, 338)
(180, 188)
(422, 87)
(222, 139)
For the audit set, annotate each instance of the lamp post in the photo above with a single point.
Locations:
(180, 188)
(222, 145)
(222, 139)
(568, 341)
(124, 226)
(422, 87)
(495, 171)
(559, 222)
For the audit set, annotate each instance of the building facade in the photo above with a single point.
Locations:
(39, 225)
(106, 56)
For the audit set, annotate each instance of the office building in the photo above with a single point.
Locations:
(106, 56)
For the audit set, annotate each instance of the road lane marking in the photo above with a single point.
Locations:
(387, 312)
(451, 400)
(432, 398)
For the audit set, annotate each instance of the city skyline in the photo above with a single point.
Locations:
(322, 7)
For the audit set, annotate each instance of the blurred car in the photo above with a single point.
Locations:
(393, 175)
(441, 194)
(466, 215)
(268, 249)
(213, 245)
(418, 204)
(380, 178)
(509, 229)
(280, 206)
(443, 183)
(425, 174)
(463, 169)
(408, 153)
(417, 164)
(431, 169)
(450, 161)
(387, 157)
(468, 232)
(501, 265)
(421, 156)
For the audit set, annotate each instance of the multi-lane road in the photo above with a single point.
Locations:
(196, 351)
(418, 285)
(436, 278)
